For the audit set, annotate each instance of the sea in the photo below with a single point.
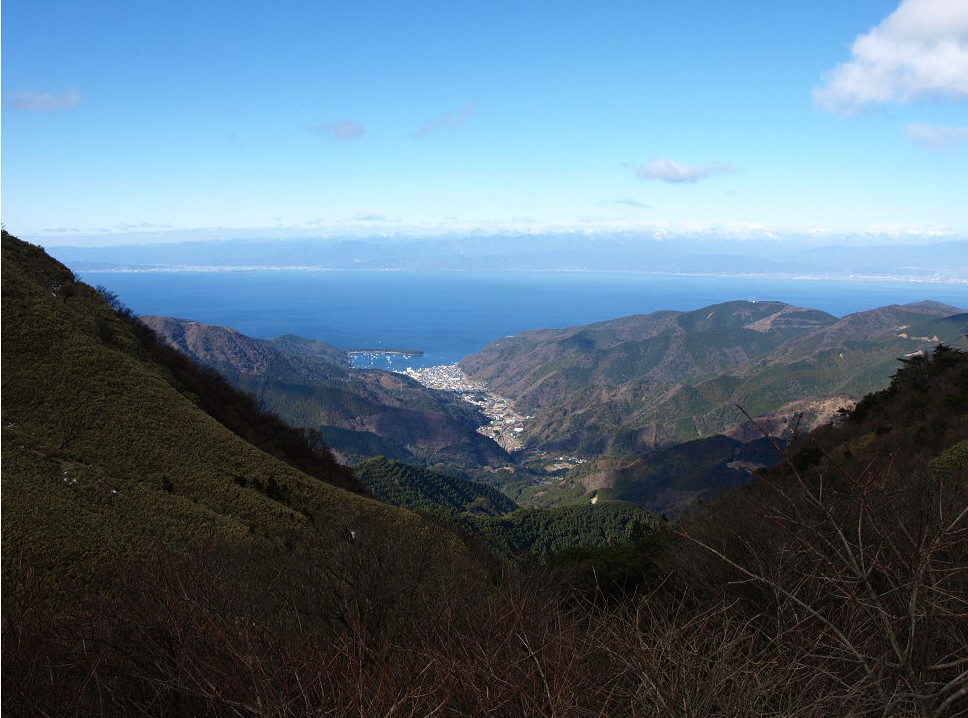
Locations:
(446, 316)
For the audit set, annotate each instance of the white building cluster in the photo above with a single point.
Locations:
(506, 426)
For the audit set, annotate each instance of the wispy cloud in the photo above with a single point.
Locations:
(60, 230)
(341, 131)
(633, 203)
(936, 137)
(31, 101)
(129, 227)
(668, 170)
(372, 217)
(919, 50)
(452, 120)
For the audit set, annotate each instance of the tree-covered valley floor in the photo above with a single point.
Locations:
(171, 550)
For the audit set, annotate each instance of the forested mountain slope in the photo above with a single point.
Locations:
(633, 384)
(114, 446)
(359, 413)
(520, 534)
(419, 488)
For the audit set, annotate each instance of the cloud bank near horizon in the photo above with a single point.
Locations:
(364, 225)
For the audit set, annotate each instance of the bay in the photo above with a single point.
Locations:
(448, 315)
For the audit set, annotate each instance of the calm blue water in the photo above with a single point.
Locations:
(449, 315)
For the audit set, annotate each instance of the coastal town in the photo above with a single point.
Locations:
(506, 425)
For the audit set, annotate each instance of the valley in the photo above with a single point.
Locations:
(561, 417)
(475, 359)
(166, 533)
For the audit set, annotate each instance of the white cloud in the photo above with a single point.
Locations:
(920, 50)
(668, 170)
(633, 203)
(935, 136)
(452, 120)
(42, 101)
(372, 217)
(341, 131)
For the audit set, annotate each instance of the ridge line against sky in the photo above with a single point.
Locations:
(150, 120)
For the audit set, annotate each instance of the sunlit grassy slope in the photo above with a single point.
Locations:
(107, 456)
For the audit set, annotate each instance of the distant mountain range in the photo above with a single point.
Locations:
(757, 255)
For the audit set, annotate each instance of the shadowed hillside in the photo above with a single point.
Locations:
(359, 413)
(674, 479)
(861, 537)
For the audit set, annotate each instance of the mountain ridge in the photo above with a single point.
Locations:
(641, 382)
(361, 413)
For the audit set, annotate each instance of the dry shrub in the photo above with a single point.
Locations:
(851, 604)
(855, 567)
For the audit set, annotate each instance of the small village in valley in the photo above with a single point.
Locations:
(506, 426)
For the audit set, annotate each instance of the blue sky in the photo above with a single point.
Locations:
(134, 120)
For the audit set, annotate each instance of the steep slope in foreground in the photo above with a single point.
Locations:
(109, 456)
(633, 384)
(856, 548)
